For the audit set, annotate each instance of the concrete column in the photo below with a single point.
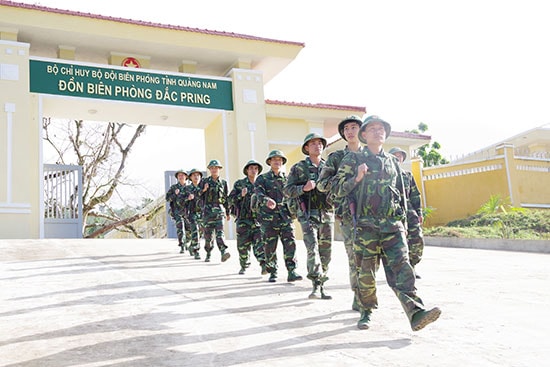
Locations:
(20, 146)
(507, 150)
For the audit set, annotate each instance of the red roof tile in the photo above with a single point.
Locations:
(316, 105)
(143, 23)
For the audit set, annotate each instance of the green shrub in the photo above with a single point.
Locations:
(523, 224)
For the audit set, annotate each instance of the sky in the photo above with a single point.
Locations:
(476, 72)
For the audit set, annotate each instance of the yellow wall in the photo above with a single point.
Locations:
(534, 181)
(20, 167)
(458, 190)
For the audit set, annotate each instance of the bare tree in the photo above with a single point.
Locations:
(102, 149)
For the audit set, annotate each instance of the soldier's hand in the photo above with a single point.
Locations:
(177, 191)
(361, 171)
(227, 217)
(205, 187)
(191, 197)
(271, 204)
(244, 191)
(310, 185)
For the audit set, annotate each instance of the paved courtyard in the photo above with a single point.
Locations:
(91, 303)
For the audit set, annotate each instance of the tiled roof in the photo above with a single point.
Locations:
(143, 23)
(316, 105)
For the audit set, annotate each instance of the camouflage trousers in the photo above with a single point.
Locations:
(415, 239)
(183, 229)
(318, 241)
(347, 232)
(370, 246)
(213, 226)
(271, 232)
(249, 237)
(195, 227)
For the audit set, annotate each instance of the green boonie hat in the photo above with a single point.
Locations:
(369, 120)
(312, 136)
(275, 153)
(398, 150)
(214, 163)
(195, 170)
(250, 163)
(181, 171)
(348, 119)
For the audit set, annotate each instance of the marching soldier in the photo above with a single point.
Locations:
(215, 208)
(193, 205)
(415, 238)
(248, 229)
(343, 208)
(275, 218)
(374, 180)
(314, 212)
(175, 199)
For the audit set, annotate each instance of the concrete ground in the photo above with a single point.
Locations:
(91, 303)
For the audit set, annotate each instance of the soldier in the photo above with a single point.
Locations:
(174, 196)
(314, 212)
(248, 228)
(349, 131)
(415, 238)
(193, 205)
(374, 180)
(275, 219)
(215, 207)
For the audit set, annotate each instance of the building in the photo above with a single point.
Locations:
(64, 64)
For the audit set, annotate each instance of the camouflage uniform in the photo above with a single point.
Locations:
(177, 212)
(415, 237)
(248, 229)
(276, 223)
(316, 219)
(342, 212)
(215, 208)
(381, 215)
(194, 213)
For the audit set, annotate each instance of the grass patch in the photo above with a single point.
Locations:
(525, 224)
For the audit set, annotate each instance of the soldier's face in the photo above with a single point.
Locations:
(182, 177)
(374, 133)
(195, 177)
(252, 170)
(214, 171)
(314, 146)
(351, 131)
(276, 162)
(400, 157)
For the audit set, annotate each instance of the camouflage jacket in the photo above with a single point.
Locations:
(379, 197)
(194, 206)
(414, 200)
(216, 196)
(327, 183)
(239, 205)
(269, 185)
(176, 201)
(311, 201)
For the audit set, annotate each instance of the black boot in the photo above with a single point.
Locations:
(363, 322)
(293, 276)
(225, 256)
(323, 294)
(424, 317)
(315, 291)
(207, 260)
